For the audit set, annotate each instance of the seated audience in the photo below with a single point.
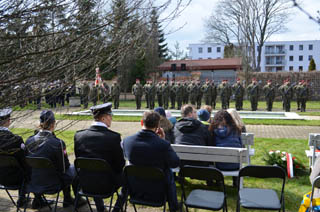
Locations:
(237, 119)
(148, 148)
(226, 134)
(171, 118)
(190, 131)
(204, 117)
(100, 142)
(209, 109)
(46, 144)
(11, 144)
(165, 124)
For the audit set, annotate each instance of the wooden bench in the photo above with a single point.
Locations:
(218, 154)
(314, 141)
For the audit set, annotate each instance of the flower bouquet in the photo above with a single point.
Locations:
(292, 165)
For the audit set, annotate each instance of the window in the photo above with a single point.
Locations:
(291, 47)
(300, 47)
(291, 58)
(209, 49)
(218, 49)
(290, 68)
(300, 68)
(209, 58)
(200, 50)
(300, 58)
(310, 57)
(310, 47)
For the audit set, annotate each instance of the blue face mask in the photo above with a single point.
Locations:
(221, 132)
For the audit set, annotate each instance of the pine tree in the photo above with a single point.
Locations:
(312, 65)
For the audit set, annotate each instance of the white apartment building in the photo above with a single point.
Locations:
(276, 55)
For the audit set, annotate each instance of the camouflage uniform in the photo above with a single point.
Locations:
(146, 88)
(151, 95)
(287, 93)
(137, 91)
(304, 95)
(297, 89)
(191, 92)
(179, 94)
(199, 94)
(115, 94)
(206, 90)
(173, 95)
(159, 90)
(224, 91)
(269, 93)
(253, 93)
(238, 91)
(165, 95)
(94, 94)
(105, 92)
(213, 95)
(185, 93)
(85, 90)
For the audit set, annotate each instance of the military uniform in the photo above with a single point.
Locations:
(85, 90)
(198, 94)
(94, 94)
(287, 93)
(185, 93)
(159, 90)
(191, 89)
(146, 88)
(115, 94)
(137, 91)
(253, 93)
(296, 90)
(104, 92)
(151, 95)
(224, 91)
(238, 91)
(179, 94)
(173, 95)
(304, 96)
(269, 93)
(213, 95)
(206, 90)
(165, 95)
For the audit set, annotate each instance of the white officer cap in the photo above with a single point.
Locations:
(102, 109)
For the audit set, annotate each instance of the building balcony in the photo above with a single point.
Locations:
(275, 52)
(275, 63)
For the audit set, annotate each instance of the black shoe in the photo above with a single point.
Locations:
(69, 202)
(21, 202)
(38, 203)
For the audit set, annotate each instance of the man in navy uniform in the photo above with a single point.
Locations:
(45, 144)
(11, 144)
(100, 142)
(148, 148)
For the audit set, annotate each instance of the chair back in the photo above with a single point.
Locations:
(12, 173)
(44, 176)
(146, 185)
(95, 176)
(201, 173)
(262, 172)
(8, 161)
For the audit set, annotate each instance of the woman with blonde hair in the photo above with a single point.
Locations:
(237, 119)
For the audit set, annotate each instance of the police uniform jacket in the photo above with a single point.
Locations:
(100, 142)
(46, 144)
(12, 144)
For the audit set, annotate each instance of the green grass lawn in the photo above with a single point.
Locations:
(294, 189)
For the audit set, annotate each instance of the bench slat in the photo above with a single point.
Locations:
(213, 150)
(211, 158)
(247, 138)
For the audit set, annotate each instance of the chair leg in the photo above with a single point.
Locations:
(56, 203)
(125, 205)
(110, 203)
(134, 207)
(89, 204)
(75, 203)
(46, 202)
(225, 204)
(238, 204)
(25, 206)
(12, 200)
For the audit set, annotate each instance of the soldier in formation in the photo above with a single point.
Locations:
(296, 90)
(269, 93)
(179, 89)
(94, 94)
(115, 94)
(146, 88)
(151, 94)
(224, 91)
(214, 93)
(185, 98)
(238, 92)
(137, 91)
(191, 89)
(206, 90)
(286, 91)
(159, 90)
(199, 94)
(173, 95)
(85, 90)
(253, 94)
(304, 95)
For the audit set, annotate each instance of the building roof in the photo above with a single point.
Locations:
(203, 64)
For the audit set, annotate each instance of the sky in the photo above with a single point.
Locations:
(300, 27)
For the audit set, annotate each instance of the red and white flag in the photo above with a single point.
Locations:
(289, 165)
(98, 77)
